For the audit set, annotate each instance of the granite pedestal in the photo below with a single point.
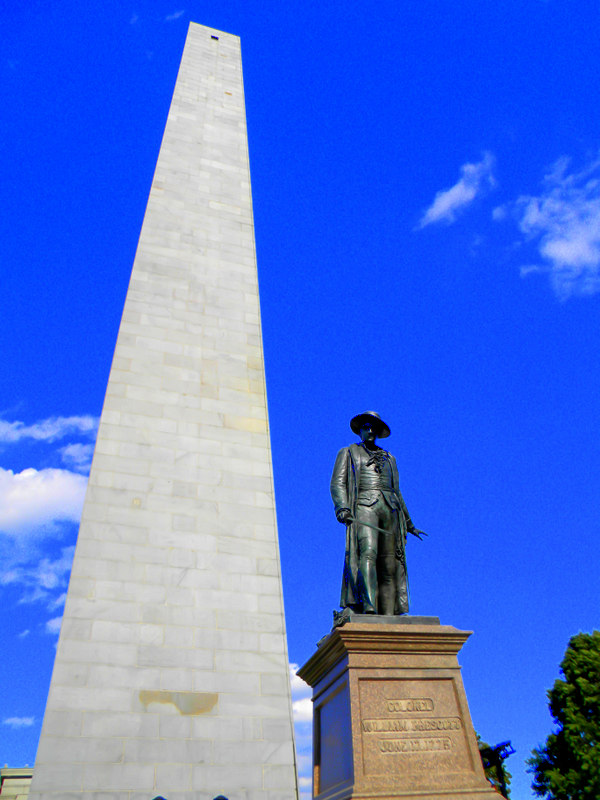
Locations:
(390, 713)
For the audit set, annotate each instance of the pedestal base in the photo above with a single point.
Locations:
(390, 713)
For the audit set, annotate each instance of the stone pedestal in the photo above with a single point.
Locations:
(390, 713)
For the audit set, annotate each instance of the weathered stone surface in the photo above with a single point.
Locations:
(390, 714)
(171, 668)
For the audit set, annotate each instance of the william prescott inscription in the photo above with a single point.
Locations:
(419, 727)
(387, 725)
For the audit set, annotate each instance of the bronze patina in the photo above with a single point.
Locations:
(367, 499)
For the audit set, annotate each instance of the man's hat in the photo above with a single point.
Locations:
(359, 420)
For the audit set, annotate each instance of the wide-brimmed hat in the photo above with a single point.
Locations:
(359, 420)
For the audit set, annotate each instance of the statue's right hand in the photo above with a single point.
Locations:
(344, 515)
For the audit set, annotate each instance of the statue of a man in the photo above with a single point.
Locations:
(367, 498)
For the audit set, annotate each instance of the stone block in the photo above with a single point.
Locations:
(127, 724)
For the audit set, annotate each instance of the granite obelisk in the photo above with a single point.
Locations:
(171, 673)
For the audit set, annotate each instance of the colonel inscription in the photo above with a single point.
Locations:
(410, 704)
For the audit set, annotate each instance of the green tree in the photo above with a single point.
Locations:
(567, 767)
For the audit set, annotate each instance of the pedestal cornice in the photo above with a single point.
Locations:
(364, 638)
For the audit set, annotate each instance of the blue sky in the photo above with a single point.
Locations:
(426, 188)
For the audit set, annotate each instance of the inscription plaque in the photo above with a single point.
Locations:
(410, 726)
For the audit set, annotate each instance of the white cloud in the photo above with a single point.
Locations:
(564, 222)
(474, 180)
(34, 501)
(19, 722)
(49, 430)
(53, 625)
(300, 689)
(174, 15)
(24, 633)
(41, 505)
(303, 710)
(134, 18)
(78, 456)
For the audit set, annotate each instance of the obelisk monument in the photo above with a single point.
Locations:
(171, 674)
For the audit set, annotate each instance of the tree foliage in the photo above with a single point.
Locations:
(567, 767)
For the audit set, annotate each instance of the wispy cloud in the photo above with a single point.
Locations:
(564, 223)
(24, 634)
(78, 456)
(49, 430)
(134, 18)
(448, 203)
(33, 501)
(53, 625)
(19, 722)
(174, 15)
(42, 580)
(61, 599)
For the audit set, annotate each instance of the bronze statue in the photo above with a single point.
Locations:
(367, 498)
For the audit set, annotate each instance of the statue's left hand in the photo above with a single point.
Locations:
(344, 515)
(418, 533)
